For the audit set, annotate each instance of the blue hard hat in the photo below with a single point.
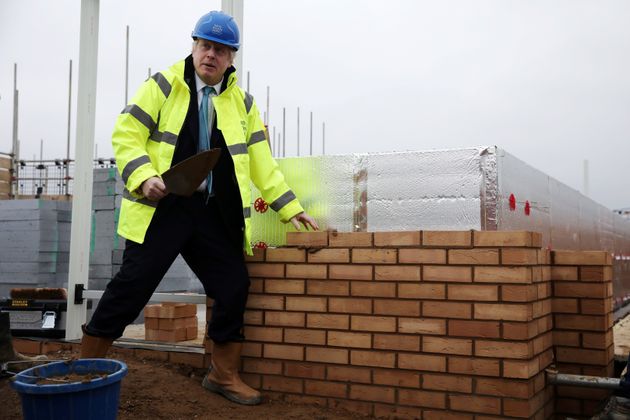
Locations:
(218, 27)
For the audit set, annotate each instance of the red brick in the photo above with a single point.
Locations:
(283, 351)
(165, 335)
(373, 289)
(405, 238)
(567, 306)
(373, 323)
(422, 256)
(503, 238)
(310, 304)
(397, 273)
(265, 302)
(444, 345)
(519, 293)
(327, 355)
(473, 256)
(374, 256)
(396, 377)
(447, 309)
(581, 322)
(329, 255)
(451, 383)
(581, 356)
(483, 329)
(256, 285)
(263, 334)
(151, 323)
(177, 310)
(307, 271)
(350, 305)
(503, 274)
(350, 239)
(499, 311)
(349, 374)
(504, 349)
(422, 362)
(520, 330)
(372, 393)
(328, 287)
(421, 291)
(396, 342)
(422, 326)
(595, 306)
(580, 290)
(596, 273)
(597, 340)
(474, 292)
(249, 349)
(349, 339)
(258, 254)
(284, 319)
(304, 370)
(473, 366)
(396, 307)
(282, 384)
(447, 273)
(523, 369)
(304, 336)
(253, 317)
(325, 389)
(516, 256)
(422, 398)
(350, 272)
(564, 273)
(272, 367)
(307, 239)
(581, 258)
(284, 286)
(446, 238)
(504, 387)
(332, 321)
(265, 270)
(286, 255)
(373, 358)
(566, 338)
(475, 403)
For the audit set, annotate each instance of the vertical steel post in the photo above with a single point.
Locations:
(127, 68)
(284, 132)
(311, 133)
(298, 131)
(82, 194)
(67, 185)
(235, 9)
(14, 147)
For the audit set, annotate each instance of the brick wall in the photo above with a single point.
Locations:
(411, 324)
(583, 320)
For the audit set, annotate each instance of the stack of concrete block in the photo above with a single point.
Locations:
(170, 322)
(34, 243)
(106, 198)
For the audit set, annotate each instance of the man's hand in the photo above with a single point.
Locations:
(305, 219)
(154, 188)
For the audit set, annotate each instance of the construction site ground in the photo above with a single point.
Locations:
(160, 390)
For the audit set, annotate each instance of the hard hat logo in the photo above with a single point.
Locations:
(218, 27)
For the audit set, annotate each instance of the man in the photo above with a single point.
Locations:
(194, 105)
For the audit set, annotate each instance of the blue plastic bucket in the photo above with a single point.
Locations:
(88, 399)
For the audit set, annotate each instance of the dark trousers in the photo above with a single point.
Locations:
(195, 229)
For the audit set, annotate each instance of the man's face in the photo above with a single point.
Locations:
(211, 60)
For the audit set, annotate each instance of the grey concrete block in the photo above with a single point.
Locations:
(105, 174)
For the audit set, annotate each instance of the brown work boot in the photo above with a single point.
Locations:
(8, 353)
(94, 347)
(223, 377)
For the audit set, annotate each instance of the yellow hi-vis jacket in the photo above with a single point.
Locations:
(145, 136)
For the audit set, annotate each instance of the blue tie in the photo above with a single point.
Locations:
(204, 135)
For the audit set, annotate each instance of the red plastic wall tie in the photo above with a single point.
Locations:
(512, 202)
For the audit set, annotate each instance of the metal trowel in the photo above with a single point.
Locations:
(185, 177)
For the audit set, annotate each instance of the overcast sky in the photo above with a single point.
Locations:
(546, 80)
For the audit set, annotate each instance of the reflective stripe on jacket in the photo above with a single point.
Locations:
(145, 136)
